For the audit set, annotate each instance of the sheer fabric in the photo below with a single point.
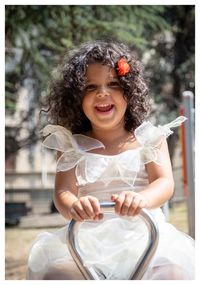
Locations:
(114, 245)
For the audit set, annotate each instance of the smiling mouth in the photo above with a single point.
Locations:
(104, 108)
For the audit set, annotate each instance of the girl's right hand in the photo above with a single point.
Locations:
(86, 208)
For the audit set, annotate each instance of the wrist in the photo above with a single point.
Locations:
(64, 201)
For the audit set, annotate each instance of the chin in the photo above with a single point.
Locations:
(108, 126)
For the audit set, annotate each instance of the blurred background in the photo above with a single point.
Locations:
(36, 38)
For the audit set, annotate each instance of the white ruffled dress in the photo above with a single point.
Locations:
(115, 244)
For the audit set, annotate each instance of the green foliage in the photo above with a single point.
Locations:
(40, 34)
(37, 36)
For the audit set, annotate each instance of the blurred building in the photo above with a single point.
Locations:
(30, 171)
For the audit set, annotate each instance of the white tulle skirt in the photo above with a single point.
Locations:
(113, 246)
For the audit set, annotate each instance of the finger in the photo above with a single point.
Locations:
(126, 205)
(118, 203)
(75, 215)
(99, 217)
(88, 208)
(141, 205)
(131, 211)
(136, 201)
(114, 197)
(95, 205)
(79, 209)
(137, 211)
(133, 206)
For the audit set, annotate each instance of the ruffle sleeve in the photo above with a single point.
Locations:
(58, 138)
(71, 146)
(150, 137)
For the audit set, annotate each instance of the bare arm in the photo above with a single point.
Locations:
(67, 201)
(66, 191)
(161, 187)
(159, 190)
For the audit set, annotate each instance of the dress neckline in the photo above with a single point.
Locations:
(112, 155)
(103, 146)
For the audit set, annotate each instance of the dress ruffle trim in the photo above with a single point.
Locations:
(150, 138)
(91, 167)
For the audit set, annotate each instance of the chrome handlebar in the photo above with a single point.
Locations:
(144, 260)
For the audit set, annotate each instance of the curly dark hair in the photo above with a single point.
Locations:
(67, 87)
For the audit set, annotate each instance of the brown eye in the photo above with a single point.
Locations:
(114, 84)
(90, 87)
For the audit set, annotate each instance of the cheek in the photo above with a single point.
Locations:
(84, 109)
(125, 101)
(123, 106)
(86, 104)
(122, 102)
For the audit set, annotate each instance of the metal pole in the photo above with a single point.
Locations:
(139, 269)
(188, 98)
(165, 209)
(44, 169)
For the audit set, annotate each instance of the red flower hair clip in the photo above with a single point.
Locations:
(123, 67)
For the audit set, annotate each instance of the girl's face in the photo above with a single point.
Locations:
(103, 102)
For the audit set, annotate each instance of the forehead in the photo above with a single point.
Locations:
(97, 70)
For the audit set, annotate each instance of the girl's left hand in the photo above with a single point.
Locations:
(129, 203)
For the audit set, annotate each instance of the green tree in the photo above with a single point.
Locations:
(36, 36)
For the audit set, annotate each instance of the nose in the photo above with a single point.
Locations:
(102, 91)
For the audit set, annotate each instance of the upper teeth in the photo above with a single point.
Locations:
(104, 105)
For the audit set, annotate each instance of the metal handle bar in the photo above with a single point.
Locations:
(144, 260)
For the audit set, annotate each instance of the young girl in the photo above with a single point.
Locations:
(106, 151)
